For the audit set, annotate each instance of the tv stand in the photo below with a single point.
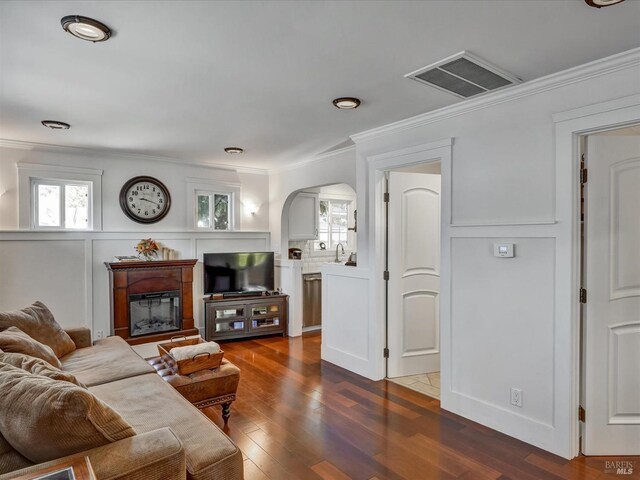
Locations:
(245, 316)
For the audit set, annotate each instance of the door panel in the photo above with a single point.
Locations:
(612, 312)
(625, 229)
(414, 266)
(421, 250)
(420, 337)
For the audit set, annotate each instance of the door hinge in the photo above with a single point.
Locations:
(385, 275)
(582, 414)
(386, 197)
(385, 352)
(584, 175)
(583, 295)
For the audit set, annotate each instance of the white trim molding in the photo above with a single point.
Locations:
(196, 186)
(439, 150)
(621, 61)
(104, 152)
(29, 171)
(569, 126)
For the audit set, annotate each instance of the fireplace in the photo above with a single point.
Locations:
(154, 313)
(151, 301)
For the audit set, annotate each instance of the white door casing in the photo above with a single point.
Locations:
(414, 266)
(612, 347)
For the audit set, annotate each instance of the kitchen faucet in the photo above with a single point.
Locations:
(337, 257)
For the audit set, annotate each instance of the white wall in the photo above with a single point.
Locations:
(120, 168)
(333, 168)
(509, 319)
(8, 193)
(66, 269)
(336, 167)
(345, 318)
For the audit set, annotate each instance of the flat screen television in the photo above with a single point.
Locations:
(238, 272)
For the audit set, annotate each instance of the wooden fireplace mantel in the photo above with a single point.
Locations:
(127, 278)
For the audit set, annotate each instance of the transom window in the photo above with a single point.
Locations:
(333, 223)
(61, 204)
(214, 211)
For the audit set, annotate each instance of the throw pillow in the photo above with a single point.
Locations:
(45, 419)
(15, 340)
(37, 366)
(37, 321)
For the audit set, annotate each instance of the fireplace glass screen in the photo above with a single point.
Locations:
(154, 312)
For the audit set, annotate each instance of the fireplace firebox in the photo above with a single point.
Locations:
(154, 312)
(151, 301)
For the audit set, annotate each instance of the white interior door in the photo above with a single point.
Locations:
(612, 347)
(414, 273)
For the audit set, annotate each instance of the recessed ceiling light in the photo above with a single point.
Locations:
(233, 150)
(55, 125)
(602, 3)
(85, 28)
(346, 103)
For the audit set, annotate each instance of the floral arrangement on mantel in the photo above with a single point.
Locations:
(147, 248)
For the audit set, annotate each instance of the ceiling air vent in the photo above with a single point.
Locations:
(464, 75)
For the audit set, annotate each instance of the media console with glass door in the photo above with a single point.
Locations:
(245, 316)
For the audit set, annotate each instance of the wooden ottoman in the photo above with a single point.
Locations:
(204, 388)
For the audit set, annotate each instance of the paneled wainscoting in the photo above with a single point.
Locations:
(297, 417)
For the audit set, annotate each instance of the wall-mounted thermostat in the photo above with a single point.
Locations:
(504, 250)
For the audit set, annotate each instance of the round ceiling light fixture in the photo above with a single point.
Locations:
(234, 150)
(85, 28)
(602, 3)
(346, 103)
(56, 125)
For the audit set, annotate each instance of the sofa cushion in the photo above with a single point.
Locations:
(10, 459)
(44, 419)
(37, 366)
(148, 403)
(156, 455)
(109, 359)
(37, 321)
(14, 340)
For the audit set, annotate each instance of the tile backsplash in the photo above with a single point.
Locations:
(312, 259)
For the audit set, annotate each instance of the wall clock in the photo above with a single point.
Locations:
(145, 199)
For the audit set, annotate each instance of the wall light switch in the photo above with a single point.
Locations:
(503, 250)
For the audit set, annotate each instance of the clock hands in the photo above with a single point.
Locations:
(150, 201)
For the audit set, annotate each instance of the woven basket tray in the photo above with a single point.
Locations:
(201, 361)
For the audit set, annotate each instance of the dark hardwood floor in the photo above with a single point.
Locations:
(297, 417)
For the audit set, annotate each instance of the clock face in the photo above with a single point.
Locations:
(145, 199)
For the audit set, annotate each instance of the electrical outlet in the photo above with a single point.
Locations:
(516, 397)
(99, 334)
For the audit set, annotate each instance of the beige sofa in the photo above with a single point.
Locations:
(173, 440)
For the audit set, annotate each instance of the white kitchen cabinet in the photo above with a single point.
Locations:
(303, 217)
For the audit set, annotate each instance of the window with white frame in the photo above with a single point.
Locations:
(61, 204)
(59, 197)
(333, 223)
(214, 210)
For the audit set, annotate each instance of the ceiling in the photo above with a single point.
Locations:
(184, 79)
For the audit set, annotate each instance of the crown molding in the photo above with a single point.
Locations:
(620, 61)
(58, 168)
(315, 159)
(46, 147)
(617, 104)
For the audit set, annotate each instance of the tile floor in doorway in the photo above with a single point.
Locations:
(427, 383)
